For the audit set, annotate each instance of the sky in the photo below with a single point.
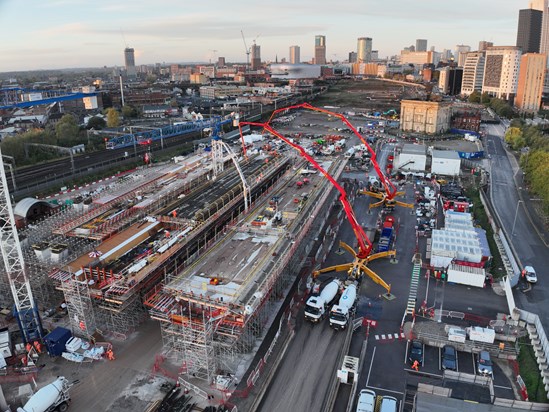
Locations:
(54, 34)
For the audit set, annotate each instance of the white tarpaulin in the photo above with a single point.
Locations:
(251, 138)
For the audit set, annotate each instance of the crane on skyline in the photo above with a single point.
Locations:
(247, 49)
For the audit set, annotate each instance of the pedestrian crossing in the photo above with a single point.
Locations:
(389, 336)
(414, 284)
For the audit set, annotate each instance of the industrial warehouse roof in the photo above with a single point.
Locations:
(445, 154)
(458, 221)
(483, 241)
(23, 206)
(414, 149)
(462, 245)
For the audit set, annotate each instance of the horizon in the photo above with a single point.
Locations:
(94, 35)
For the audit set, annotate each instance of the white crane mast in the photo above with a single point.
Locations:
(25, 306)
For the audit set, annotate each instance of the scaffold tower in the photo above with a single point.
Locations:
(79, 307)
(12, 255)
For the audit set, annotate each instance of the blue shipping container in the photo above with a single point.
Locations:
(55, 341)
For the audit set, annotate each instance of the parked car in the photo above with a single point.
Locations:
(388, 404)
(416, 352)
(449, 358)
(366, 401)
(484, 363)
(530, 274)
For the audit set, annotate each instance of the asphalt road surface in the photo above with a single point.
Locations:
(528, 245)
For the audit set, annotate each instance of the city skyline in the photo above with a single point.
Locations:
(75, 33)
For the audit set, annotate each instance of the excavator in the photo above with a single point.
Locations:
(358, 267)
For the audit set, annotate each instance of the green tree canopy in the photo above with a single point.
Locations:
(96, 123)
(129, 111)
(474, 97)
(67, 131)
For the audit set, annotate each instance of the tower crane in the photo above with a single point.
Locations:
(247, 49)
(358, 267)
(25, 307)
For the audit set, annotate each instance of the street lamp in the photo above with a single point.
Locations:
(515, 220)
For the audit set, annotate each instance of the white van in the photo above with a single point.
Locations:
(366, 401)
(388, 404)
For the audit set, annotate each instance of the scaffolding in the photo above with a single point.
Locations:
(79, 307)
(120, 321)
(208, 333)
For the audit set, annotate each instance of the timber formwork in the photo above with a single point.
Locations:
(208, 325)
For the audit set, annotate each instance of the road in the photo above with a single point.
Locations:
(518, 226)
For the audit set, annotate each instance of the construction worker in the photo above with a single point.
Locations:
(415, 366)
(37, 346)
(110, 354)
(28, 347)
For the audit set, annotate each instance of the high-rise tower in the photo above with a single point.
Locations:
(256, 57)
(421, 45)
(529, 30)
(364, 50)
(320, 49)
(129, 60)
(294, 55)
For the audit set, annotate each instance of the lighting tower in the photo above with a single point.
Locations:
(25, 306)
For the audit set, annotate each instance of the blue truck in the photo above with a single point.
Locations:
(387, 235)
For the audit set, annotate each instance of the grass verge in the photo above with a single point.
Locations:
(529, 371)
(481, 218)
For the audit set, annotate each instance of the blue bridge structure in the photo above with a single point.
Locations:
(14, 97)
(158, 134)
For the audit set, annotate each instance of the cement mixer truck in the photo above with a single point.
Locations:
(341, 313)
(317, 306)
(52, 397)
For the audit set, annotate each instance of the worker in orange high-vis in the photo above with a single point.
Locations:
(415, 366)
(28, 347)
(37, 346)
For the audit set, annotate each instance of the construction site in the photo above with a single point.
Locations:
(207, 245)
(103, 251)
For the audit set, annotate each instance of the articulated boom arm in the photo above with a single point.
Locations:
(390, 189)
(364, 244)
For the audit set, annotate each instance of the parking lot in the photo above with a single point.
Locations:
(384, 368)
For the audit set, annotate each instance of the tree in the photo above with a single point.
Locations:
(128, 112)
(96, 123)
(515, 138)
(67, 130)
(474, 97)
(485, 98)
(113, 118)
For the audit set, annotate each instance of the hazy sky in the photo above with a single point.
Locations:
(45, 34)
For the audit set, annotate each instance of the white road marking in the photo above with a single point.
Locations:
(384, 390)
(503, 387)
(424, 373)
(474, 368)
(371, 364)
